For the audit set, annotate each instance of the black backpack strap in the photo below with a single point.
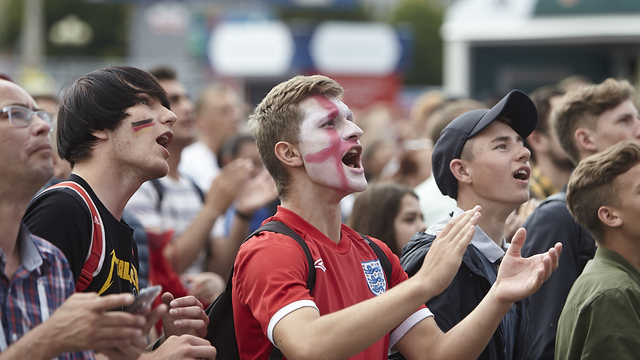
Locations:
(281, 228)
(276, 354)
(384, 260)
(160, 189)
(197, 188)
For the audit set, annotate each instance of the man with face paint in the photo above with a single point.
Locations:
(186, 212)
(114, 126)
(310, 145)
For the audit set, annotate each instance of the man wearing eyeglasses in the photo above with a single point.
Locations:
(114, 126)
(35, 279)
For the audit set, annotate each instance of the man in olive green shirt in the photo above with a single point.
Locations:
(601, 317)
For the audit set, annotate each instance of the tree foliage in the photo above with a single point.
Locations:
(108, 21)
(425, 20)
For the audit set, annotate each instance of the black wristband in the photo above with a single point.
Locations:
(243, 216)
(157, 344)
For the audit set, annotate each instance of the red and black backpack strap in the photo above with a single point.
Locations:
(95, 256)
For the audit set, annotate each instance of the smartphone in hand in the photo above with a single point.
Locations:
(144, 300)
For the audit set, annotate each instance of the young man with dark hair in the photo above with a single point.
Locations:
(114, 126)
(175, 204)
(587, 121)
(601, 317)
(310, 145)
(37, 319)
(480, 159)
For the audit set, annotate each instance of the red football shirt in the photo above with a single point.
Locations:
(270, 275)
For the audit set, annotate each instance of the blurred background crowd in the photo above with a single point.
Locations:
(408, 67)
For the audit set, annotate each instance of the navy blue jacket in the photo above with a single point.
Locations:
(551, 222)
(472, 282)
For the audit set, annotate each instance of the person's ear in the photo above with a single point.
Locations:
(584, 140)
(460, 170)
(289, 154)
(537, 141)
(100, 134)
(609, 216)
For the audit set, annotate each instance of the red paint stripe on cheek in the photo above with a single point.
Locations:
(333, 153)
(326, 153)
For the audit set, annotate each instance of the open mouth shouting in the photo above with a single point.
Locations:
(522, 174)
(164, 140)
(352, 158)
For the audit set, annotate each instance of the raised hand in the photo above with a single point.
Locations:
(520, 277)
(445, 255)
(228, 184)
(205, 286)
(258, 192)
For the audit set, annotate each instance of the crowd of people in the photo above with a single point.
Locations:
(508, 224)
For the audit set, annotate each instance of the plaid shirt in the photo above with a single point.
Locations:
(40, 285)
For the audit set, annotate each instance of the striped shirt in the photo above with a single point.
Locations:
(181, 203)
(40, 285)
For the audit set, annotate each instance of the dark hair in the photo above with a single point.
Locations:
(231, 148)
(163, 73)
(99, 101)
(542, 99)
(375, 210)
(5, 76)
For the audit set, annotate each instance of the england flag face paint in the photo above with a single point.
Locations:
(330, 144)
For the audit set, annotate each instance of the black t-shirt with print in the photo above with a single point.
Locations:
(62, 217)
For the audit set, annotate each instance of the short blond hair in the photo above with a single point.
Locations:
(592, 186)
(278, 118)
(581, 107)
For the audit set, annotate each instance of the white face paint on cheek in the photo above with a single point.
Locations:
(321, 156)
(322, 147)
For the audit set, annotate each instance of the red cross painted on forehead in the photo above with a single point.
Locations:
(328, 105)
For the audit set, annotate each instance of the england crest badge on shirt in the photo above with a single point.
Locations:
(375, 276)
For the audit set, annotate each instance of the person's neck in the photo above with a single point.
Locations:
(625, 247)
(493, 218)
(559, 176)
(174, 160)
(585, 153)
(213, 143)
(11, 212)
(319, 210)
(113, 188)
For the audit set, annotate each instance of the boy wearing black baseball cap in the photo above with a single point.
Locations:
(480, 159)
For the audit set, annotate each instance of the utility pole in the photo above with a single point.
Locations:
(32, 33)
